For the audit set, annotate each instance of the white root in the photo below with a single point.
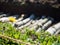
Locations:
(46, 25)
(3, 15)
(25, 21)
(57, 32)
(54, 28)
(27, 24)
(37, 21)
(4, 19)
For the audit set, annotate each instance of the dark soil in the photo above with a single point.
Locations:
(38, 7)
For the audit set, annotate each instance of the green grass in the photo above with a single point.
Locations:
(27, 35)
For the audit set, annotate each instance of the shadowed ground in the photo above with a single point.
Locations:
(39, 7)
